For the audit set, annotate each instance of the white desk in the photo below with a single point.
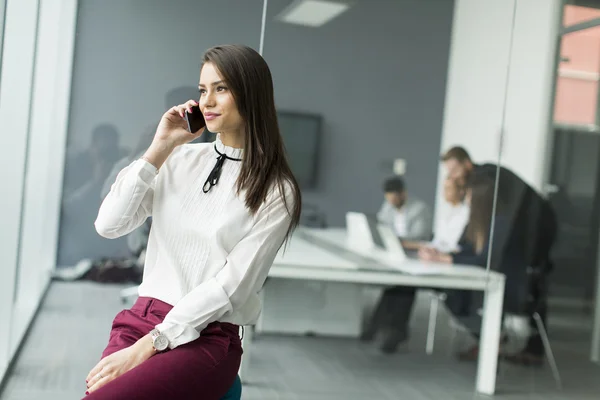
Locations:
(324, 256)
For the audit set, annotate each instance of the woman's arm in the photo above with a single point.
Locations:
(129, 201)
(413, 244)
(468, 256)
(245, 270)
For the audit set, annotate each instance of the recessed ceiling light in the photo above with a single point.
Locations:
(313, 13)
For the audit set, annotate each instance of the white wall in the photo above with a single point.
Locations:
(34, 102)
(479, 78)
(15, 95)
(530, 89)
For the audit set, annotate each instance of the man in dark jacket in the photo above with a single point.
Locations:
(532, 221)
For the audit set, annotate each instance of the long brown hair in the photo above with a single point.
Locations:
(481, 188)
(264, 162)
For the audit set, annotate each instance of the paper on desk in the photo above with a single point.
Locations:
(411, 266)
(420, 267)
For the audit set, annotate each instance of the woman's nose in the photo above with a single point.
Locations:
(208, 100)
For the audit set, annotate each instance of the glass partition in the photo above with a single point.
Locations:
(549, 254)
(372, 97)
(124, 79)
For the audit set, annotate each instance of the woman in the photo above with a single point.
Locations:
(474, 246)
(454, 218)
(220, 212)
(507, 256)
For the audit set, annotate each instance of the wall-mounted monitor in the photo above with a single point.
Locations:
(301, 135)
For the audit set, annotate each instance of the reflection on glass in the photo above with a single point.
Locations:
(157, 69)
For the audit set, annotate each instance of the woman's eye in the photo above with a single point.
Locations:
(202, 91)
(221, 88)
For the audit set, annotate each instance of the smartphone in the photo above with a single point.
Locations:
(195, 119)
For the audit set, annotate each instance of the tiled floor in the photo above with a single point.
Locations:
(72, 328)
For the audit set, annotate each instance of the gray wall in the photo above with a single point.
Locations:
(129, 53)
(376, 74)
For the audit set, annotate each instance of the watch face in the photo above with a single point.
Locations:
(161, 343)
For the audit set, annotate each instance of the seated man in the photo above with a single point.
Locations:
(411, 220)
(408, 217)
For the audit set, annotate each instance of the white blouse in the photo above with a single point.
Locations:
(207, 254)
(450, 227)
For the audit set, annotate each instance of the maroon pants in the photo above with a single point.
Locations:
(203, 369)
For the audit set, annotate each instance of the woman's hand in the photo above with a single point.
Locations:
(427, 253)
(434, 255)
(115, 365)
(172, 129)
(444, 258)
(171, 132)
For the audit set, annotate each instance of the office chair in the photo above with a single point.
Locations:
(235, 391)
(533, 310)
(455, 326)
(535, 307)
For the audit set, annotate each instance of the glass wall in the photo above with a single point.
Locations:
(465, 132)
(550, 203)
(5, 306)
(123, 80)
(64, 72)
(370, 95)
(18, 51)
(35, 75)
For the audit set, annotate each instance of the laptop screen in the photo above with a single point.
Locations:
(377, 239)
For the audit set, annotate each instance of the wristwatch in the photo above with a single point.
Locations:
(159, 341)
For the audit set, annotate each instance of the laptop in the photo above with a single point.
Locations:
(366, 233)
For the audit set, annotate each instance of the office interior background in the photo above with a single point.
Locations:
(365, 90)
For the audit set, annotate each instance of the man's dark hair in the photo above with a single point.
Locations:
(457, 153)
(394, 184)
(105, 134)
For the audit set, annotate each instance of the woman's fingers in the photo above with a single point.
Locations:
(96, 377)
(180, 109)
(189, 104)
(99, 383)
(95, 371)
(173, 111)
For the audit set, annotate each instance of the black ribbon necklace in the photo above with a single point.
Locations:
(214, 175)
